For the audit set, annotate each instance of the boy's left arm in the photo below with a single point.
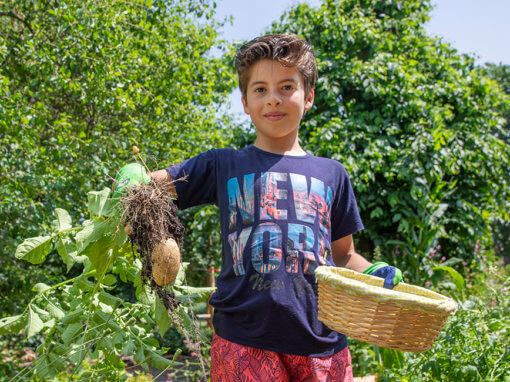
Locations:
(344, 255)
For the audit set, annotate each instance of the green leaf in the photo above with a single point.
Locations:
(74, 316)
(34, 323)
(140, 354)
(160, 362)
(457, 278)
(43, 368)
(78, 352)
(63, 220)
(108, 299)
(40, 287)
(128, 348)
(181, 275)
(92, 231)
(84, 284)
(109, 279)
(163, 320)
(72, 332)
(55, 311)
(100, 254)
(67, 250)
(452, 261)
(196, 294)
(98, 203)
(13, 324)
(34, 249)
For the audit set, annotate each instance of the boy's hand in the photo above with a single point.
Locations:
(129, 175)
(391, 275)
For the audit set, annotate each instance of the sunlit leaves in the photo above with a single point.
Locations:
(34, 249)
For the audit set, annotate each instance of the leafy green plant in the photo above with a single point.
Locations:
(81, 318)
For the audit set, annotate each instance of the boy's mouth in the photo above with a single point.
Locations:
(274, 116)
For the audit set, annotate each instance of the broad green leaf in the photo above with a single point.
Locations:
(119, 337)
(55, 311)
(67, 250)
(34, 249)
(452, 261)
(128, 348)
(45, 315)
(34, 323)
(196, 294)
(457, 278)
(92, 231)
(163, 320)
(106, 344)
(57, 362)
(13, 324)
(72, 332)
(78, 351)
(109, 279)
(144, 294)
(100, 254)
(74, 316)
(84, 284)
(160, 362)
(40, 287)
(43, 369)
(109, 299)
(140, 354)
(181, 275)
(63, 220)
(99, 204)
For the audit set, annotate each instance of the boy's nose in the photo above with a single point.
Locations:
(274, 99)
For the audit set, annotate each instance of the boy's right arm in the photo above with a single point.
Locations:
(163, 177)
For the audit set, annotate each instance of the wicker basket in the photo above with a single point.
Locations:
(406, 318)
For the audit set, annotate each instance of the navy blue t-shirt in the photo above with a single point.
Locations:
(279, 215)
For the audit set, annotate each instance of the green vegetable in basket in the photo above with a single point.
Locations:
(391, 275)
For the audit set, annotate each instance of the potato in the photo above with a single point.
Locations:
(166, 260)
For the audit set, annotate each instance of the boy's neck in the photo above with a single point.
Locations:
(281, 147)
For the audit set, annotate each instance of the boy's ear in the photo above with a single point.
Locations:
(245, 105)
(309, 100)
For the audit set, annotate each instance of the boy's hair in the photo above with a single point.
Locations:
(286, 49)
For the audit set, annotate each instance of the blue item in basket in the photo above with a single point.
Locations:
(391, 275)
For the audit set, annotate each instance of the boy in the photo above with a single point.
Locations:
(283, 212)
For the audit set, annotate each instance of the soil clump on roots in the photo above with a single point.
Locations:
(150, 217)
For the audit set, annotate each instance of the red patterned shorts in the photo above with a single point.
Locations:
(234, 362)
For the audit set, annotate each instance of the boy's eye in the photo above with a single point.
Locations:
(288, 87)
(259, 90)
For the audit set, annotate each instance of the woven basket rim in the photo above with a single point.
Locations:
(367, 286)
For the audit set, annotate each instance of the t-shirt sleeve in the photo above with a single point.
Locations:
(345, 218)
(195, 180)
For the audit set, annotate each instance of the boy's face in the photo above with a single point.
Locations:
(275, 99)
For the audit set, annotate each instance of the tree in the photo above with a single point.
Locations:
(416, 124)
(80, 83)
(501, 228)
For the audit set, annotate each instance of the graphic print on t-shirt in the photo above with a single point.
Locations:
(305, 221)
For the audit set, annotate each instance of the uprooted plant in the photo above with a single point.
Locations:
(79, 318)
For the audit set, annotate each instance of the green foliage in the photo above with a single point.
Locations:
(80, 317)
(416, 124)
(80, 83)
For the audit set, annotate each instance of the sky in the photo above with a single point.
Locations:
(480, 28)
